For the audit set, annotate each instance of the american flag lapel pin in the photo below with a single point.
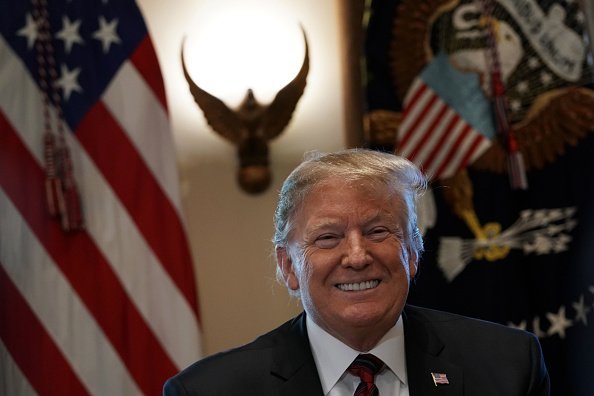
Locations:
(440, 379)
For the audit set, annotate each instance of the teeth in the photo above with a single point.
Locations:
(358, 286)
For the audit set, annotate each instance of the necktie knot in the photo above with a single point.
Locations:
(366, 366)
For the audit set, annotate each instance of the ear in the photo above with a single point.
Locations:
(285, 264)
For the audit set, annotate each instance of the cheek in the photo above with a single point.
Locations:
(306, 271)
(408, 261)
(296, 255)
(398, 256)
(404, 258)
(313, 267)
(301, 267)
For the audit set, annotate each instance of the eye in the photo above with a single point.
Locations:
(378, 234)
(327, 241)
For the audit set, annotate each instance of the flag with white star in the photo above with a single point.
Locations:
(520, 257)
(97, 288)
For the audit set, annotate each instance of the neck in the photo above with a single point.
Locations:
(362, 339)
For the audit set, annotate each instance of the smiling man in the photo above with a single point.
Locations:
(347, 244)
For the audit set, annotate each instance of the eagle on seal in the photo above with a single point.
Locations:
(557, 115)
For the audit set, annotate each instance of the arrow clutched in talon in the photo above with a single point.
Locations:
(486, 236)
(542, 231)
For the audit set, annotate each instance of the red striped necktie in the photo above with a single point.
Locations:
(366, 366)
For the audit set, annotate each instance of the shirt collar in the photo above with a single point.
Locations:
(333, 357)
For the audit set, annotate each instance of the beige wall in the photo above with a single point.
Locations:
(230, 231)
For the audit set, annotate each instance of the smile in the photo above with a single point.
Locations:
(372, 284)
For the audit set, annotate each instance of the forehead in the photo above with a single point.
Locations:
(337, 197)
(337, 185)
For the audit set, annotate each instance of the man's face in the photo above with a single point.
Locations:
(346, 257)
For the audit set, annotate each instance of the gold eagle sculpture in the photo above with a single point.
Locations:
(252, 125)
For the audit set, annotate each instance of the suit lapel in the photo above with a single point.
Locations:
(293, 362)
(424, 356)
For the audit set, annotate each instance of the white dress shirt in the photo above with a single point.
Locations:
(333, 358)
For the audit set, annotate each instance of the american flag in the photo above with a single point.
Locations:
(437, 131)
(111, 308)
(440, 379)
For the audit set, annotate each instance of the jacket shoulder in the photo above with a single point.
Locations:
(250, 366)
(443, 320)
(509, 360)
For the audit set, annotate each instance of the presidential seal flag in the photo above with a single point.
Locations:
(508, 231)
(436, 131)
(97, 289)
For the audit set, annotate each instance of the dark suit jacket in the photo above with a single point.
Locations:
(478, 357)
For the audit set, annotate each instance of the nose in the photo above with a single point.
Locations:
(356, 253)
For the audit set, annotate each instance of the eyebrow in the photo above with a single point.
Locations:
(331, 222)
(324, 223)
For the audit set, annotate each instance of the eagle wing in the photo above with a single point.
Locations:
(219, 116)
(556, 119)
(279, 112)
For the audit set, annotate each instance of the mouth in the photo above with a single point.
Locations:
(359, 286)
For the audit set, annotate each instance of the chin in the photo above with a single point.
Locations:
(365, 317)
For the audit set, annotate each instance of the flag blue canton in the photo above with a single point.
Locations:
(90, 40)
(462, 92)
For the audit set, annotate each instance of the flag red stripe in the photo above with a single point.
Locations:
(452, 150)
(420, 117)
(412, 102)
(53, 375)
(471, 150)
(144, 59)
(139, 192)
(429, 132)
(438, 145)
(85, 267)
(409, 106)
